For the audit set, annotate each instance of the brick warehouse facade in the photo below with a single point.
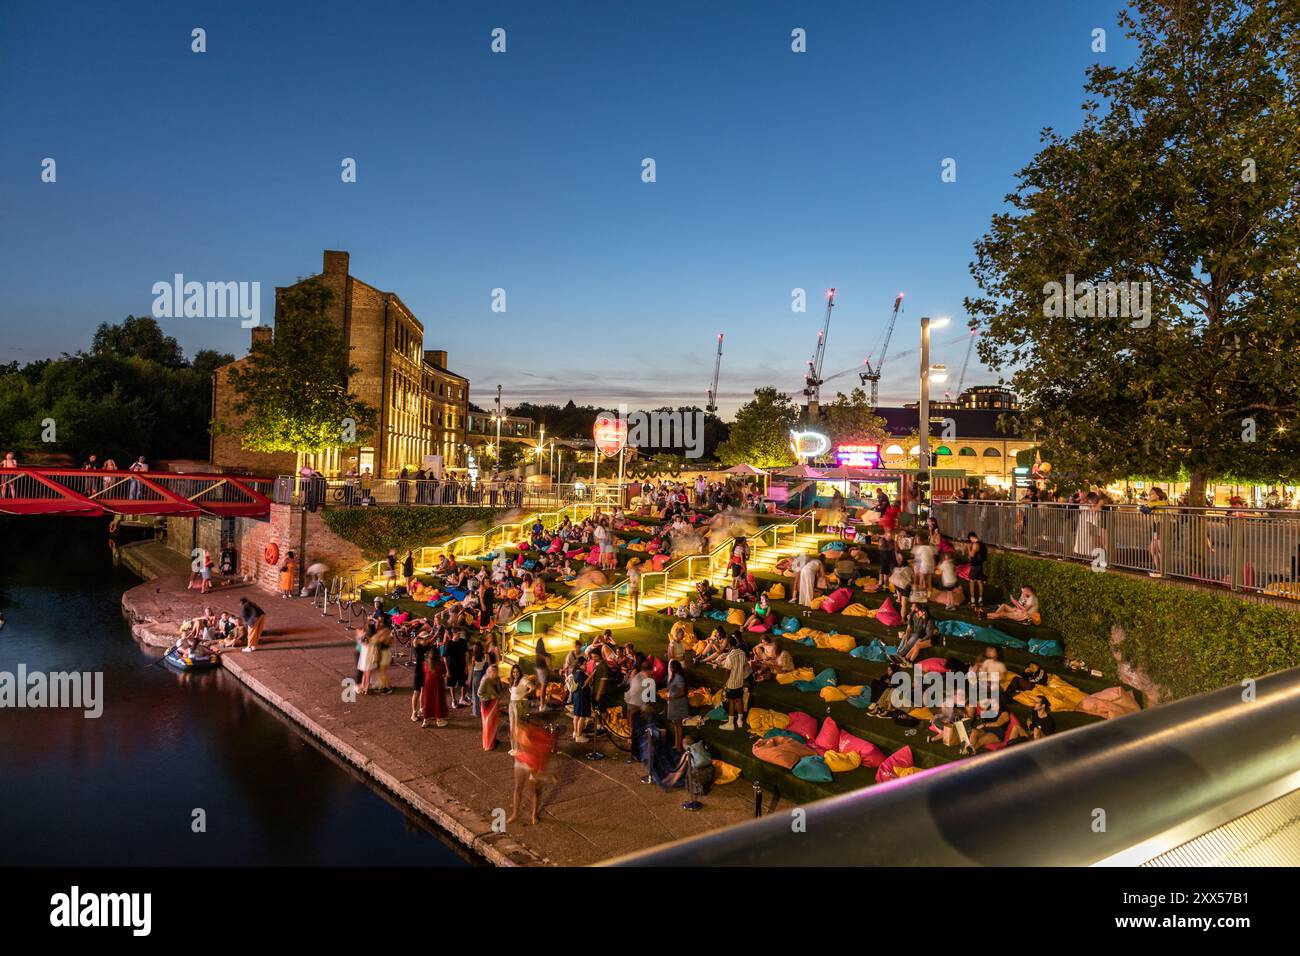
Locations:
(422, 405)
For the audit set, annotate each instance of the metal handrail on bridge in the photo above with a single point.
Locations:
(1117, 792)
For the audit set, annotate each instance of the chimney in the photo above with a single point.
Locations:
(262, 333)
(336, 263)
(436, 357)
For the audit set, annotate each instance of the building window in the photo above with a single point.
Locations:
(894, 450)
(967, 452)
(992, 453)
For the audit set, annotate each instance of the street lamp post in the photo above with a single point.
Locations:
(923, 465)
(497, 463)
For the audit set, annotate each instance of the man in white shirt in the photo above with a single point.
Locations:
(736, 661)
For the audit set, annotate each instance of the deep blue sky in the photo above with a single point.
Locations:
(523, 171)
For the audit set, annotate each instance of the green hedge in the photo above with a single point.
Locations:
(1186, 641)
(375, 530)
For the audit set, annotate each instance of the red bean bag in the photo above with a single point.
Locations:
(658, 670)
(932, 665)
(836, 601)
(999, 744)
(888, 615)
(828, 738)
(758, 628)
(802, 724)
(945, 546)
(899, 758)
(872, 756)
(782, 751)
(574, 553)
(658, 561)
(555, 547)
(963, 571)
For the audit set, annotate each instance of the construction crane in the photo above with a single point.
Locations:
(872, 372)
(970, 347)
(713, 392)
(813, 383)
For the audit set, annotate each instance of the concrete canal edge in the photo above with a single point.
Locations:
(469, 828)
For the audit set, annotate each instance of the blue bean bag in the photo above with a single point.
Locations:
(861, 701)
(782, 732)
(524, 627)
(1045, 647)
(716, 615)
(805, 641)
(827, 678)
(790, 624)
(875, 651)
(530, 564)
(807, 686)
(458, 593)
(976, 632)
(717, 713)
(813, 769)
(832, 546)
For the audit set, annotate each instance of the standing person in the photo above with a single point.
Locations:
(288, 572)
(435, 690)
(478, 665)
(7, 489)
(923, 555)
(634, 585)
(404, 487)
(542, 667)
(254, 619)
(579, 685)
(521, 688)
(979, 555)
(455, 652)
(366, 657)
(679, 707)
(489, 695)
(383, 641)
(531, 758)
(736, 662)
(408, 569)
(421, 648)
(390, 571)
(137, 466)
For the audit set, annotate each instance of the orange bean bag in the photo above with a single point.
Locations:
(782, 751)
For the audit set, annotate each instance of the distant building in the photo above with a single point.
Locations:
(975, 441)
(422, 405)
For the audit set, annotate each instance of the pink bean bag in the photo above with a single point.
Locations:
(932, 665)
(658, 561)
(1111, 702)
(888, 615)
(757, 628)
(872, 756)
(963, 571)
(802, 724)
(836, 601)
(658, 670)
(899, 758)
(555, 547)
(828, 738)
(1011, 725)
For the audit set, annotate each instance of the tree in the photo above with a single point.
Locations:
(138, 337)
(1181, 175)
(760, 434)
(851, 420)
(294, 388)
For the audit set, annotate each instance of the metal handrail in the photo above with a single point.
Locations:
(1117, 791)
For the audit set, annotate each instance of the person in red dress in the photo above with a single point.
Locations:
(433, 700)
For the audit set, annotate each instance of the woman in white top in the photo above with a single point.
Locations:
(923, 555)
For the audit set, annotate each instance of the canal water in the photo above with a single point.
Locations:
(126, 788)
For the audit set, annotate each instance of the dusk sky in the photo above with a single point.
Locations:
(522, 171)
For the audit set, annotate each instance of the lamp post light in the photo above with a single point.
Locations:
(497, 456)
(923, 465)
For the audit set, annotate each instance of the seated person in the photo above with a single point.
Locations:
(949, 592)
(713, 649)
(1024, 608)
(918, 634)
(746, 588)
(882, 691)
(706, 590)
(944, 724)
(1034, 676)
(762, 661)
(1041, 722)
(993, 726)
(762, 615)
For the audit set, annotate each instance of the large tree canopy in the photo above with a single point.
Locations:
(294, 388)
(760, 435)
(1183, 175)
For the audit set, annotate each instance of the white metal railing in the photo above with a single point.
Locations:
(389, 492)
(1243, 549)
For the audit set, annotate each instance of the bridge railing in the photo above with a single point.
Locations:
(1243, 549)
(95, 491)
(390, 492)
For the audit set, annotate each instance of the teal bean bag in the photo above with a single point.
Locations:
(976, 632)
(1045, 647)
(875, 651)
(524, 627)
(717, 713)
(790, 624)
(813, 769)
(827, 678)
(805, 641)
(862, 701)
(807, 686)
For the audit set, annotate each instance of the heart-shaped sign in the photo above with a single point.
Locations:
(609, 433)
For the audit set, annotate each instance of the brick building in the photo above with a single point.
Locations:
(422, 405)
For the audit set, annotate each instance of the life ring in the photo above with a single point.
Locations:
(271, 553)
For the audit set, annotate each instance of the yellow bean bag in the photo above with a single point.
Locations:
(776, 592)
(735, 616)
(761, 720)
(699, 697)
(840, 762)
(724, 772)
(843, 692)
(1062, 694)
(864, 582)
(921, 713)
(616, 721)
(856, 610)
(799, 673)
(906, 771)
(809, 632)
(817, 601)
(836, 642)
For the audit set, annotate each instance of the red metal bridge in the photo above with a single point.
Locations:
(71, 491)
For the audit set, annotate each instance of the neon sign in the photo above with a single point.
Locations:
(809, 444)
(858, 456)
(610, 434)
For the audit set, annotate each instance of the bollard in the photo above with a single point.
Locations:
(758, 800)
